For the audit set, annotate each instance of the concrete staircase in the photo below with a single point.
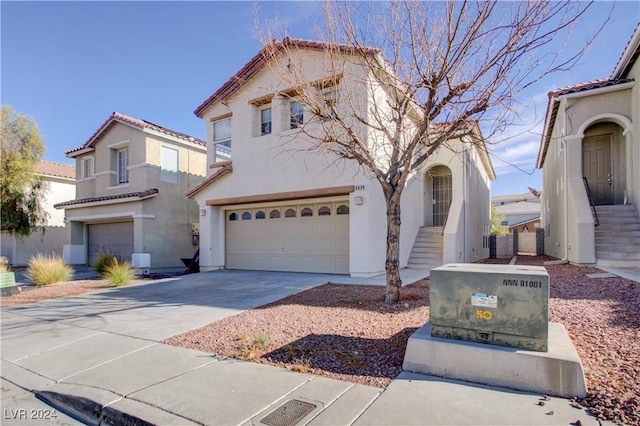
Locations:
(618, 236)
(427, 248)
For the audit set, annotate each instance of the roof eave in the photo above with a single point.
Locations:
(629, 56)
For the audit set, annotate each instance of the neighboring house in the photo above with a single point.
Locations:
(518, 212)
(131, 179)
(60, 179)
(532, 196)
(279, 206)
(591, 139)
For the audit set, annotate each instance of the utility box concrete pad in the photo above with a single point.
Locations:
(506, 305)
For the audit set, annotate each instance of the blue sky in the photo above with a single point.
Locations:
(69, 65)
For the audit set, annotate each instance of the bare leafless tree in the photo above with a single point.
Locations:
(432, 71)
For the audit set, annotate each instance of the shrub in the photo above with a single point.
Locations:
(44, 269)
(4, 264)
(105, 259)
(119, 272)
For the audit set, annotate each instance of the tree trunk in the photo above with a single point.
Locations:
(392, 264)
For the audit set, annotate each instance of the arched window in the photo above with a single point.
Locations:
(306, 212)
(275, 214)
(290, 213)
(324, 211)
(246, 216)
(260, 214)
(342, 209)
(233, 216)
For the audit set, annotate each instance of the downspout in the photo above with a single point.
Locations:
(565, 259)
(464, 205)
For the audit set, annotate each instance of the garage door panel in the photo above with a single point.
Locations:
(317, 243)
(114, 237)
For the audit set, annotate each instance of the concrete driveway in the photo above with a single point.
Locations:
(163, 308)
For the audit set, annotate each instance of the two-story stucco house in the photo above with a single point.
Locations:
(131, 179)
(276, 205)
(590, 156)
(60, 181)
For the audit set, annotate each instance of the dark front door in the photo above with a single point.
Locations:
(596, 167)
(441, 199)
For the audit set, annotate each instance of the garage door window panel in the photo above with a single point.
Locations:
(290, 213)
(246, 216)
(324, 211)
(260, 214)
(233, 216)
(274, 214)
(306, 212)
(342, 209)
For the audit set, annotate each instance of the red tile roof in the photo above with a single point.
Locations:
(258, 62)
(141, 195)
(206, 181)
(589, 85)
(49, 168)
(118, 117)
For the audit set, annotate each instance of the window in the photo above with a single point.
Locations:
(275, 214)
(233, 216)
(86, 167)
(123, 166)
(260, 214)
(297, 115)
(330, 100)
(169, 165)
(290, 213)
(265, 121)
(342, 209)
(222, 132)
(324, 211)
(306, 212)
(246, 216)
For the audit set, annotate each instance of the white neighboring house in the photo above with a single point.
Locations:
(61, 180)
(518, 210)
(277, 206)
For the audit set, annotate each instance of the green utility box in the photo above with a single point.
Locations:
(506, 305)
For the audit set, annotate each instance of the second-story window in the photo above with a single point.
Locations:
(297, 115)
(86, 169)
(169, 165)
(222, 132)
(265, 121)
(123, 166)
(330, 101)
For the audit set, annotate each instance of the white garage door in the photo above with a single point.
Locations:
(112, 237)
(307, 237)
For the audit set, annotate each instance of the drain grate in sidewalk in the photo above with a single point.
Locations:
(288, 414)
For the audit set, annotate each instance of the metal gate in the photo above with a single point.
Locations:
(442, 194)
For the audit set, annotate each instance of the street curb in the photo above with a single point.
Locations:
(92, 412)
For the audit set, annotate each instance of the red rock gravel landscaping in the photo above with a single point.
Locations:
(348, 333)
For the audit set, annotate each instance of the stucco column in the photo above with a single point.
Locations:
(212, 234)
(140, 258)
(75, 253)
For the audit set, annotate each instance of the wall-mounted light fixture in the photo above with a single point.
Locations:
(203, 212)
(359, 200)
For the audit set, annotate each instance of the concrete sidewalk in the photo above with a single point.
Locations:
(97, 357)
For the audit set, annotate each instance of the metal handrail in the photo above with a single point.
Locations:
(593, 207)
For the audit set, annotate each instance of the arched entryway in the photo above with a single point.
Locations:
(603, 163)
(438, 195)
